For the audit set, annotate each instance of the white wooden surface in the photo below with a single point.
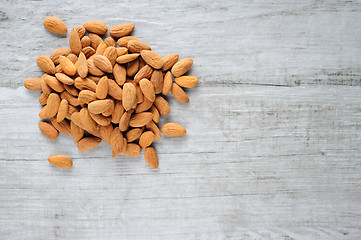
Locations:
(273, 143)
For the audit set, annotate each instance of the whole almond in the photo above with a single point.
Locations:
(43, 98)
(101, 48)
(95, 40)
(82, 66)
(132, 67)
(124, 120)
(85, 84)
(181, 67)
(154, 128)
(76, 119)
(123, 41)
(76, 132)
(118, 111)
(72, 100)
(156, 115)
(88, 52)
(140, 119)
(120, 74)
(55, 25)
(54, 83)
(88, 122)
(133, 134)
(157, 81)
(43, 113)
(152, 59)
(74, 42)
(142, 63)
(58, 69)
(60, 161)
(33, 84)
(103, 63)
(94, 78)
(111, 54)
(101, 90)
(129, 96)
(53, 103)
(110, 110)
(64, 78)
(127, 58)
(81, 31)
(44, 86)
(110, 42)
(162, 105)
(86, 96)
(114, 90)
(106, 132)
(121, 30)
(150, 157)
(132, 150)
(67, 66)
(144, 106)
(45, 64)
(93, 69)
(100, 119)
(135, 46)
(99, 106)
(173, 130)
(121, 51)
(97, 27)
(86, 42)
(140, 95)
(148, 89)
(48, 130)
(72, 57)
(63, 110)
(88, 143)
(169, 61)
(167, 83)
(146, 139)
(144, 72)
(179, 94)
(116, 140)
(62, 126)
(186, 81)
(54, 56)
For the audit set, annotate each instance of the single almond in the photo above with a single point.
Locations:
(120, 74)
(67, 66)
(110, 42)
(181, 67)
(118, 111)
(45, 64)
(61, 161)
(88, 52)
(157, 81)
(48, 130)
(144, 106)
(101, 48)
(101, 90)
(82, 66)
(72, 100)
(148, 89)
(132, 67)
(154, 128)
(54, 56)
(122, 51)
(152, 59)
(76, 132)
(77, 120)
(132, 150)
(167, 83)
(63, 110)
(121, 30)
(54, 83)
(99, 106)
(162, 105)
(141, 119)
(173, 130)
(97, 27)
(55, 25)
(93, 69)
(140, 95)
(86, 96)
(179, 94)
(111, 54)
(150, 157)
(187, 81)
(72, 57)
(43, 113)
(123, 41)
(74, 42)
(127, 58)
(43, 98)
(124, 120)
(103, 63)
(44, 86)
(94, 78)
(64, 78)
(116, 140)
(129, 96)
(86, 42)
(135, 46)
(88, 143)
(110, 110)
(81, 31)
(156, 115)
(62, 126)
(58, 69)
(146, 139)
(53, 104)
(144, 72)
(88, 122)
(33, 84)
(133, 134)
(114, 90)
(95, 40)
(100, 119)
(85, 84)
(106, 132)
(169, 61)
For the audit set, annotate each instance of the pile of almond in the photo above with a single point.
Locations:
(95, 90)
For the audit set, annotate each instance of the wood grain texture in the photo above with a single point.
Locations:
(273, 143)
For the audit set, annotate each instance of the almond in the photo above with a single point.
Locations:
(85, 84)
(154, 128)
(97, 27)
(101, 90)
(152, 59)
(63, 110)
(144, 72)
(44, 86)
(33, 84)
(144, 106)
(129, 96)
(141, 119)
(88, 123)
(121, 30)
(81, 31)
(169, 61)
(54, 83)
(124, 120)
(110, 42)
(67, 66)
(60, 161)
(156, 115)
(70, 98)
(62, 126)
(99, 106)
(148, 89)
(72, 57)
(106, 132)
(146, 139)
(118, 111)
(179, 94)
(133, 134)
(100, 119)
(157, 81)
(127, 58)
(186, 81)
(150, 157)
(86, 96)
(103, 63)
(88, 143)
(74, 42)
(64, 78)
(173, 130)
(140, 95)
(53, 103)
(101, 49)
(120, 74)
(123, 41)
(114, 90)
(116, 140)
(88, 52)
(94, 78)
(110, 110)
(76, 132)
(167, 83)
(45, 64)
(82, 66)
(162, 105)
(132, 67)
(181, 67)
(132, 150)
(54, 56)
(93, 69)
(48, 130)
(111, 54)
(55, 25)
(43, 98)
(86, 42)
(58, 69)
(122, 51)
(95, 40)
(76, 119)
(135, 46)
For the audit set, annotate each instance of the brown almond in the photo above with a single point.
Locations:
(88, 143)
(86, 42)
(169, 61)
(140, 119)
(100, 119)
(118, 111)
(55, 25)
(103, 63)
(106, 132)
(61, 161)
(93, 69)
(116, 140)
(85, 84)
(187, 81)
(140, 95)
(88, 52)
(129, 96)
(111, 54)
(167, 83)
(48, 130)
(64, 78)
(124, 120)
(94, 78)
(81, 31)
(146, 139)
(132, 150)
(127, 58)
(77, 119)
(67, 66)
(72, 100)
(110, 110)
(144, 106)
(123, 41)
(88, 123)
(121, 30)
(33, 84)
(44, 86)
(58, 69)
(181, 67)
(45, 64)
(101, 48)
(156, 115)
(63, 110)
(74, 42)
(54, 83)
(162, 105)
(54, 56)
(154, 128)
(114, 90)
(179, 94)
(132, 67)
(144, 72)
(82, 66)
(142, 63)
(95, 40)
(76, 132)
(135, 46)
(152, 59)
(43, 98)
(133, 134)
(97, 27)
(62, 126)
(110, 42)
(173, 130)
(99, 106)
(150, 157)
(148, 89)
(72, 57)
(53, 103)
(101, 90)
(122, 51)
(42, 113)
(86, 96)
(120, 74)
(157, 81)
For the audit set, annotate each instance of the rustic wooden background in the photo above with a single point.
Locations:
(273, 143)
